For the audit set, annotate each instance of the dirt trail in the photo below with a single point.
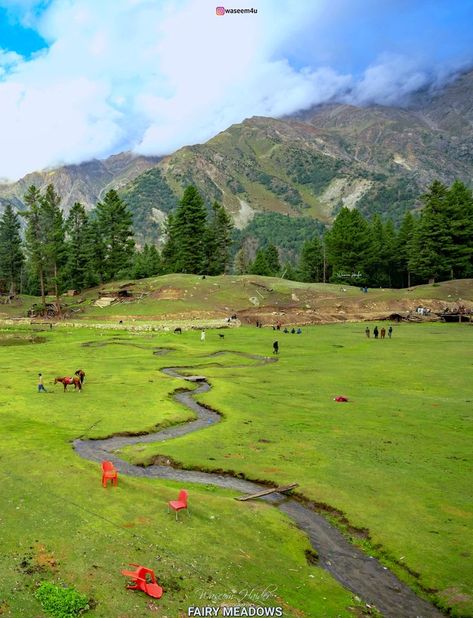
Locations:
(360, 573)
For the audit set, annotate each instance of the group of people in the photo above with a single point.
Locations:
(377, 333)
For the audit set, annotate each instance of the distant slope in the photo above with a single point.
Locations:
(85, 183)
(196, 301)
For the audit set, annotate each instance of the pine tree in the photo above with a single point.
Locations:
(169, 251)
(11, 254)
(311, 261)
(378, 264)
(272, 260)
(35, 238)
(55, 254)
(459, 214)
(403, 249)
(218, 240)
(116, 230)
(241, 262)
(260, 265)
(431, 242)
(189, 231)
(349, 246)
(78, 266)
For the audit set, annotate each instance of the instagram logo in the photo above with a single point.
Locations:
(220, 10)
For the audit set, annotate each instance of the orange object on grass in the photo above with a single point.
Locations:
(179, 504)
(109, 473)
(143, 579)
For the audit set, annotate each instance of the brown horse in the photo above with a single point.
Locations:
(80, 373)
(66, 381)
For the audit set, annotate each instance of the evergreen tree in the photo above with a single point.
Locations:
(272, 260)
(169, 251)
(79, 255)
(403, 249)
(260, 265)
(241, 262)
(459, 215)
(379, 258)
(218, 240)
(11, 254)
(35, 238)
(189, 232)
(431, 242)
(349, 246)
(116, 230)
(55, 254)
(311, 261)
(94, 252)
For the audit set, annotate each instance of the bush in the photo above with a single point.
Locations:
(61, 602)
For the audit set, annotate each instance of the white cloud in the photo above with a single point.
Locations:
(155, 75)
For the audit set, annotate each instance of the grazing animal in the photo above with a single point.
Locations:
(80, 373)
(66, 381)
(221, 336)
(178, 331)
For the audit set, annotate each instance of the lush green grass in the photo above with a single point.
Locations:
(59, 524)
(395, 460)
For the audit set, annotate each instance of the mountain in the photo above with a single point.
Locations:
(84, 183)
(310, 164)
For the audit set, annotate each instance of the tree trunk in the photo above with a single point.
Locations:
(56, 290)
(408, 279)
(41, 282)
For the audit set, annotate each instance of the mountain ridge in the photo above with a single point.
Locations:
(377, 158)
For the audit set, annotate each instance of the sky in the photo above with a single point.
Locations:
(83, 79)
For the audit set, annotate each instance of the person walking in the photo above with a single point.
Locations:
(390, 331)
(367, 332)
(40, 384)
(276, 347)
(202, 335)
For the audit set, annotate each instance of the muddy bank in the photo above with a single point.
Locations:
(361, 574)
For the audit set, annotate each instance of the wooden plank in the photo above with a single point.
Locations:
(265, 492)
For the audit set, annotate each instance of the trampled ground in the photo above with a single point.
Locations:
(395, 461)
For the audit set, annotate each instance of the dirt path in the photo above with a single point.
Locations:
(361, 574)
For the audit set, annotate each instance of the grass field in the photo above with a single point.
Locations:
(395, 461)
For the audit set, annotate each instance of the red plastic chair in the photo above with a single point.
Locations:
(144, 579)
(109, 473)
(180, 503)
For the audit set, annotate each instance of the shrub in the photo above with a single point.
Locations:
(61, 602)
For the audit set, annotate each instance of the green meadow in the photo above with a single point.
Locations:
(391, 468)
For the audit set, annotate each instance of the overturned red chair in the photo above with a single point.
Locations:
(109, 473)
(179, 504)
(144, 579)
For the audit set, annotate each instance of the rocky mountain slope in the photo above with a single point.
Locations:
(83, 183)
(310, 164)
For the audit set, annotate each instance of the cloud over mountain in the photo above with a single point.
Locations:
(152, 76)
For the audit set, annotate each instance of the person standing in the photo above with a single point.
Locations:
(375, 332)
(367, 332)
(40, 384)
(390, 331)
(383, 333)
(202, 335)
(276, 347)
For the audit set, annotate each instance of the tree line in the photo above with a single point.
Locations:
(433, 245)
(84, 249)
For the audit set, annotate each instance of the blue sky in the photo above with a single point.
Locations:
(88, 78)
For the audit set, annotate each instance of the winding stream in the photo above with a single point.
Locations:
(361, 574)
